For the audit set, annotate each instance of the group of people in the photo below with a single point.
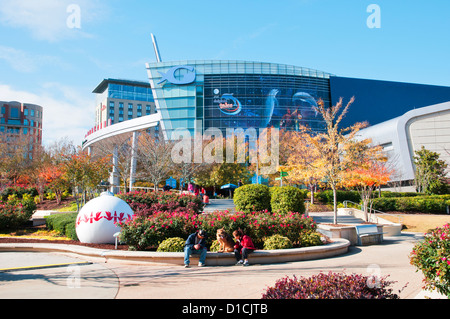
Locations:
(196, 244)
(195, 189)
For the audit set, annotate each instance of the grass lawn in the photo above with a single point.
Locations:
(419, 223)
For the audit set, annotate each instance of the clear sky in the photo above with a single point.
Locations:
(52, 56)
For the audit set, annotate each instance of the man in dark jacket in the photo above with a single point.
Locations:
(195, 244)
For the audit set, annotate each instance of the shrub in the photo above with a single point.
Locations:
(215, 246)
(434, 204)
(63, 223)
(277, 242)
(70, 231)
(287, 199)
(326, 196)
(252, 197)
(141, 233)
(147, 203)
(19, 191)
(15, 212)
(432, 257)
(174, 244)
(330, 286)
(310, 238)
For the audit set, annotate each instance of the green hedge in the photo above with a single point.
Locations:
(388, 194)
(252, 198)
(287, 199)
(326, 196)
(434, 204)
(63, 223)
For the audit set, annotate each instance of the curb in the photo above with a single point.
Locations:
(337, 247)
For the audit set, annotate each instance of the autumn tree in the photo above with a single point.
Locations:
(368, 172)
(84, 173)
(301, 164)
(122, 147)
(153, 159)
(330, 146)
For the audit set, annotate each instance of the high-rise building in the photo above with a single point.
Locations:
(21, 119)
(121, 100)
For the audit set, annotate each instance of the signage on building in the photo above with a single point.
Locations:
(171, 77)
(228, 104)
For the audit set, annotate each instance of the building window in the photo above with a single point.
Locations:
(14, 112)
(32, 112)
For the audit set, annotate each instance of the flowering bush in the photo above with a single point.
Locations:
(15, 212)
(330, 286)
(147, 203)
(141, 232)
(432, 257)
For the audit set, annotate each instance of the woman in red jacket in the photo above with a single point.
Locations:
(244, 246)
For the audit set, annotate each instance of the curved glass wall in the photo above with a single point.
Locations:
(198, 95)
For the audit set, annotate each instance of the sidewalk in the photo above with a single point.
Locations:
(121, 280)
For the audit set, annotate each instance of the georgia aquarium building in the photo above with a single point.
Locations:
(201, 94)
(197, 95)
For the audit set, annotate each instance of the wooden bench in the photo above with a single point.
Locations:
(368, 234)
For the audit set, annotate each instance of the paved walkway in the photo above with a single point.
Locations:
(117, 279)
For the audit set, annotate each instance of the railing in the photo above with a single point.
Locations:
(400, 218)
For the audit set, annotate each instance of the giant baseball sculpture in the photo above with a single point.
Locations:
(96, 221)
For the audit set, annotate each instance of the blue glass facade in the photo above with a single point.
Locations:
(197, 95)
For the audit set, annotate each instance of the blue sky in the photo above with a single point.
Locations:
(44, 61)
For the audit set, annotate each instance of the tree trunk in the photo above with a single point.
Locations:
(334, 205)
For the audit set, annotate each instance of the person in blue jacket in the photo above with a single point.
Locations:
(195, 244)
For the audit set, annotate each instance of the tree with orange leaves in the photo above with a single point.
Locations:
(368, 172)
(301, 164)
(54, 177)
(84, 173)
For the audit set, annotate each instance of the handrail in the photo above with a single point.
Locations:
(400, 218)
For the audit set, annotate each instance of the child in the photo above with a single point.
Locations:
(244, 246)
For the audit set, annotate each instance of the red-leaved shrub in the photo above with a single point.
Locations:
(331, 286)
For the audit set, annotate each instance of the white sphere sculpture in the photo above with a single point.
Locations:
(96, 220)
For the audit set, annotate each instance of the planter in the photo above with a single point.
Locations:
(339, 231)
(389, 228)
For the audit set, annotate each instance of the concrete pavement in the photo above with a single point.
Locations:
(120, 280)
(98, 279)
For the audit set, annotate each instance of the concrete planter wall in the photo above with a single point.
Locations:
(345, 231)
(338, 247)
(389, 228)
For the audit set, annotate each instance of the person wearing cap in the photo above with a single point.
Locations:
(195, 244)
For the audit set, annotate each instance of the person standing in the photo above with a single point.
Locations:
(244, 246)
